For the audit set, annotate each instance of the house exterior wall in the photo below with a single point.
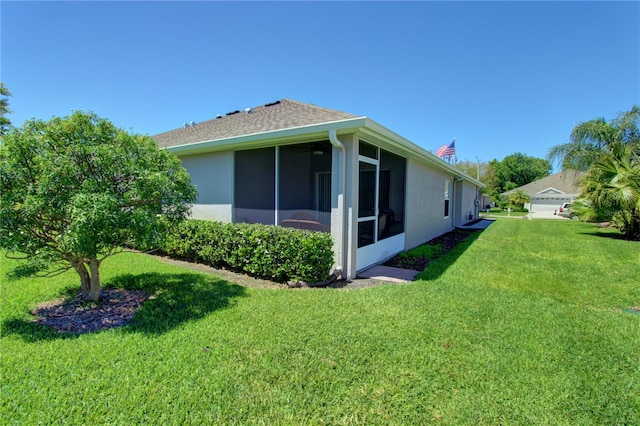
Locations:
(466, 196)
(425, 204)
(212, 174)
(471, 201)
(424, 217)
(350, 143)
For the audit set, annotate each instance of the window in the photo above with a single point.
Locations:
(447, 199)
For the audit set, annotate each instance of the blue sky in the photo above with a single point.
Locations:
(501, 77)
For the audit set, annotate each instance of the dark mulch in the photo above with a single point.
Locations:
(446, 242)
(115, 308)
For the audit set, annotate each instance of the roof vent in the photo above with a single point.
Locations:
(192, 123)
(185, 124)
(247, 111)
(218, 116)
(272, 104)
(233, 112)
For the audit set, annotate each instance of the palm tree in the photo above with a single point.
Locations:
(611, 189)
(592, 139)
(518, 198)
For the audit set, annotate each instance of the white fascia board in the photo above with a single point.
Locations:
(376, 130)
(556, 191)
(274, 135)
(361, 124)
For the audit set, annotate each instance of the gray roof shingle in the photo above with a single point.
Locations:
(283, 114)
(565, 181)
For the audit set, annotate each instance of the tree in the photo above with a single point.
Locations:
(611, 190)
(475, 169)
(592, 139)
(609, 152)
(4, 108)
(75, 190)
(513, 171)
(519, 198)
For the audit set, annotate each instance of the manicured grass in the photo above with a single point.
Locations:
(502, 213)
(527, 322)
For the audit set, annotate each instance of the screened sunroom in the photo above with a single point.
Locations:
(285, 185)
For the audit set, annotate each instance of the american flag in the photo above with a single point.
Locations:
(446, 150)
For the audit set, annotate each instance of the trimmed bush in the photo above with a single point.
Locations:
(264, 251)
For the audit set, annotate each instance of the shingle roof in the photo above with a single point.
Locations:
(278, 115)
(565, 181)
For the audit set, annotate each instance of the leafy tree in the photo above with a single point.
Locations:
(513, 171)
(4, 108)
(75, 190)
(611, 190)
(473, 168)
(592, 139)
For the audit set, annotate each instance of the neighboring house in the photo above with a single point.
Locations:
(293, 164)
(549, 193)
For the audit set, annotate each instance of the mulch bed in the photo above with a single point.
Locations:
(446, 241)
(115, 308)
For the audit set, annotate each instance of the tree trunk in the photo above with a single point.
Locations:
(89, 278)
(94, 291)
(85, 279)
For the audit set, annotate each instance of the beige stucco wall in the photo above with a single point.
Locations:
(212, 174)
(425, 204)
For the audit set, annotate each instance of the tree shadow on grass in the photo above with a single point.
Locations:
(438, 266)
(175, 299)
(612, 235)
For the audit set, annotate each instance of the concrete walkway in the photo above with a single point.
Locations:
(388, 274)
(400, 275)
(478, 226)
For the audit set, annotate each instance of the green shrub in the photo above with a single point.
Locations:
(265, 251)
(426, 251)
(519, 209)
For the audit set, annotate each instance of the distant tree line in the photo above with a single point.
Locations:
(511, 172)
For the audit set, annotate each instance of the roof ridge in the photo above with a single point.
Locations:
(276, 115)
(329, 110)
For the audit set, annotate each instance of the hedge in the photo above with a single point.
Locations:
(264, 251)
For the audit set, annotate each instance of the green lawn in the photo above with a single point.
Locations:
(528, 322)
(503, 213)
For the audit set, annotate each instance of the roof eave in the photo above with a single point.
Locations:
(362, 124)
(251, 140)
(419, 153)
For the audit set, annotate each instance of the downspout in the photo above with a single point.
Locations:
(333, 138)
